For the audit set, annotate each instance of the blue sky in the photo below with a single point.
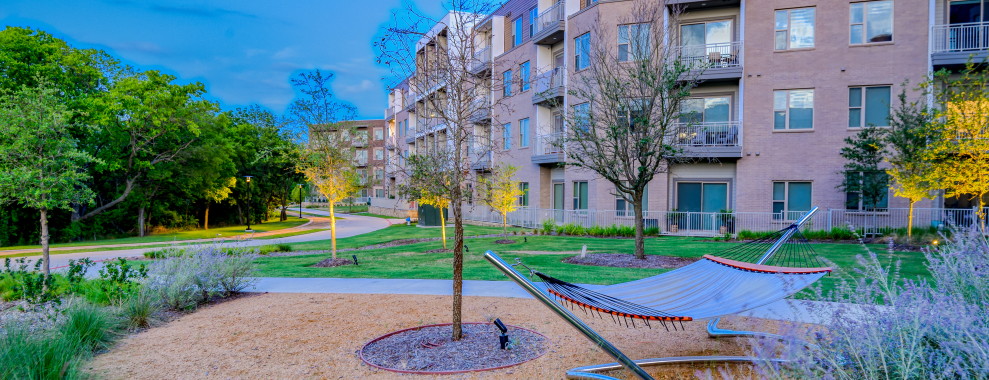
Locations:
(245, 51)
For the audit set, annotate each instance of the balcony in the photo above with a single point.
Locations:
(548, 150)
(954, 44)
(409, 102)
(481, 160)
(481, 62)
(715, 139)
(480, 111)
(718, 61)
(549, 87)
(389, 113)
(391, 142)
(692, 5)
(549, 25)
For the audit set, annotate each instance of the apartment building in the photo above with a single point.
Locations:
(786, 82)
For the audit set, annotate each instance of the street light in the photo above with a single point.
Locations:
(300, 201)
(248, 179)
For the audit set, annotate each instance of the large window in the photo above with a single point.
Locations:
(379, 134)
(506, 77)
(795, 28)
(791, 199)
(633, 42)
(517, 32)
(706, 109)
(582, 51)
(524, 76)
(793, 109)
(871, 21)
(634, 111)
(582, 116)
(524, 198)
(379, 154)
(708, 41)
(625, 208)
(868, 106)
(506, 135)
(580, 195)
(524, 132)
(533, 15)
(866, 191)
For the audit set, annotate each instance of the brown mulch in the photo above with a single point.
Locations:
(330, 263)
(317, 336)
(623, 260)
(432, 349)
(439, 250)
(505, 241)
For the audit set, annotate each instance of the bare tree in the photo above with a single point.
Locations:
(627, 102)
(449, 78)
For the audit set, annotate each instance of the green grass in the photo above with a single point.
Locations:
(378, 215)
(409, 262)
(229, 231)
(396, 232)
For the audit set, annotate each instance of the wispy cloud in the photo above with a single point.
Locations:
(205, 12)
(139, 46)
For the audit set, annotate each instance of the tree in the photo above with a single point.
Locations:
(960, 145)
(40, 163)
(501, 192)
(629, 105)
(437, 57)
(328, 162)
(907, 139)
(867, 184)
(428, 182)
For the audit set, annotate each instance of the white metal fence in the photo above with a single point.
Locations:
(720, 55)
(712, 133)
(716, 223)
(959, 37)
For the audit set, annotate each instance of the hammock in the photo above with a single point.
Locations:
(735, 280)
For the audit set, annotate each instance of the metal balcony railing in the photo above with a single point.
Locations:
(482, 59)
(715, 133)
(960, 37)
(550, 18)
(550, 80)
(549, 143)
(712, 56)
(389, 113)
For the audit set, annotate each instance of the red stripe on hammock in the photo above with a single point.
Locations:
(765, 268)
(612, 312)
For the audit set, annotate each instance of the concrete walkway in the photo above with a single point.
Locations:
(789, 310)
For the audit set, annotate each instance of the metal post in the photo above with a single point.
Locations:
(566, 315)
(786, 236)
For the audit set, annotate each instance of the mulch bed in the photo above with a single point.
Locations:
(439, 250)
(430, 349)
(330, 263)
(622, 260)
(505, 241)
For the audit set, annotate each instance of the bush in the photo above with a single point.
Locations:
(549, 226)
(183, 282)
(901, 328)
(138, 309)
(90, 326)
(30, 355)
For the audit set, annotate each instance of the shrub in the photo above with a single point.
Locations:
(138, 309)
(90, 326)
(30, 355)
(164, 253)
(651, 231)
(549, 226)
(186, 281)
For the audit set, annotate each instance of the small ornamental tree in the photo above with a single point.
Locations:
(501, 192)
(41, 166)
(912, 175)
(428, 183)
(329, 162)
(220, 191)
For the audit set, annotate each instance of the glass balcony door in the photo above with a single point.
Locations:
(701, 201)
(706, 121)
(709, 40)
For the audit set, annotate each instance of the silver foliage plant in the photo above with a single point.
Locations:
(200, 274)
(890, 327)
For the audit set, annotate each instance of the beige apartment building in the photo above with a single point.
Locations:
(786, 82)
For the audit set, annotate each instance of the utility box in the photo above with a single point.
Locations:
(429, 216)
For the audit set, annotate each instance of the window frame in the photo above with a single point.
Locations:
(860, 200)
(524, 133)
(524, 198)
(525, 74)
(506, 135)
(379, 154)
(533, 16)
(584, 122)
(579, 51)
(517, 32)
(507, 77)
(789, 27)
(863, 106)
(864, 24)
(581, 202)
(630, 50)
(785, 210)
(786, 125)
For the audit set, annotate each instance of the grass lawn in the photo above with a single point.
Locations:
(230, 231)
(408, 261)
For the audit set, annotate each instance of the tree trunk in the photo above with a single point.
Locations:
(640, 239)
(910, 220)
(333, 232)
(140, 221)
(504, 224)
(284, 216)
(46, 269)
(206, 217)
(443, 228)
(458, 269)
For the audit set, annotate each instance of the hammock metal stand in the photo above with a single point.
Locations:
(635, 366)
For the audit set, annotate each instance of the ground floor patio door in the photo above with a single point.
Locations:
(558, 201)
(701, 200)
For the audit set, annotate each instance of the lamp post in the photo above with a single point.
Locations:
(248, 179)
(300, 201)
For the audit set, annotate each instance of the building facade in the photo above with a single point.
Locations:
(787, 81)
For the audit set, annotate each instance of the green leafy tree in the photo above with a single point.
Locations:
(911, 172)
(867, 184)
(40, 163)
(501, 192)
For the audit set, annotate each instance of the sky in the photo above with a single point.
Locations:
(244, 51)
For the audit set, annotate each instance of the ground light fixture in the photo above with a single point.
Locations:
(503, 338)
(355, 259)
(247, 178)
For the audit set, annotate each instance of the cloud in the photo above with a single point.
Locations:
(199, 11)
(285, 53)
(364, 85)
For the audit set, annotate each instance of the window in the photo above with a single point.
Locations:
(533, 16)
(869, 22)
(866, 190)
(710, 109)
(524, 198)
(582, 51)
(588, 3)
(524, 77)
(868, 106)
(379, 154)
(791, 199)
(524, 133)
(379, 173)
(580, 195)
(379, 134)
(625, 208)
(793, 109)
(582, 116)
(507, 79)
(633, 42)
(517, 32)
(405, 128)
(634, 110)
(379, 193)
(506, 135)
(795, 28)
(362, 157)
